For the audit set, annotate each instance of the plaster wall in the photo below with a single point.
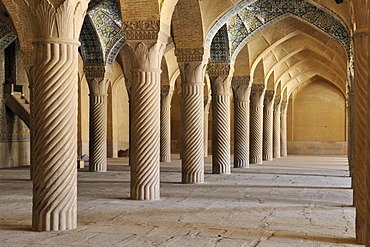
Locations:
(317, 121)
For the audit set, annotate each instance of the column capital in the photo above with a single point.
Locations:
(284, 104)
(277, 100)
(269, 95)
(220, 86)
(219, 69)
(166, 95)
(192, 72)
(257, 88)
(166, 90)
(58, 21)
(240, 81)
(97, 79)
(97, 71)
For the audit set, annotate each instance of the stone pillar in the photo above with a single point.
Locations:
(241, 90)
(220, 75)
(96, 77)
(54, 107)
(360, 114)
(166, 96)
(277, 136)
(256, 123)
(268, 125)
(283, 129)
(144, 58)
(207, 102)
(192, 77)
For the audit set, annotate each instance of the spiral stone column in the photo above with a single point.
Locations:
(144, 58)
(220, 75)
(207, 101)
(268, 124)
(54, 89)
(96, 77)
(283, 129)
(256, 123)
(241, 90)
(192, 75)
(165, 143)
(276, 134)
(360, 114)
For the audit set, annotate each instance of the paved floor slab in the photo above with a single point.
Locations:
(294, 201)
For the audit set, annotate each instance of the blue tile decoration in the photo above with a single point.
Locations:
(101, 36)
(220, 46)
(248, 21)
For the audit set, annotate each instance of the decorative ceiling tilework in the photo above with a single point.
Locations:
(91, 49)
(248, 20)
(105, 19)
(220, 46)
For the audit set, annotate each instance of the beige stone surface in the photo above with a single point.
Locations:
(295, 201)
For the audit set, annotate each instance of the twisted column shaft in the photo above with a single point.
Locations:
(98, 86)
(165, 143)
(193, 125)
(145, 124)
(220, 126)
(98, 133)
(268, 121)
(55, 137)
(241, 90)
(283, 129)
(256, 123)
(277, 116)
(207, 102)
(54, 113)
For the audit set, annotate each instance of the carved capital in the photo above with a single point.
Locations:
(240, 81)
(269, 95)
(284, 105)
(241, 93)
(192, 73)
(221, 86)
(166, 90)
(58, 21)
(258, 88)
(189, 54)
(143, 55)
(92, 72)
(141, 30)
(277, 101)
(218, 69)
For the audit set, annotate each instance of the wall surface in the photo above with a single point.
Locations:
(317, 121)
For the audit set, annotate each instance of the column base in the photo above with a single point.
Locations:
(241, 164)
(255, 160)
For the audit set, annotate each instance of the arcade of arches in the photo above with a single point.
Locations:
(246, 81)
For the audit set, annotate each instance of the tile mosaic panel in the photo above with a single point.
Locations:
(107, 32)
(220, 46)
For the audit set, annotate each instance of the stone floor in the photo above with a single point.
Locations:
(295, 201)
